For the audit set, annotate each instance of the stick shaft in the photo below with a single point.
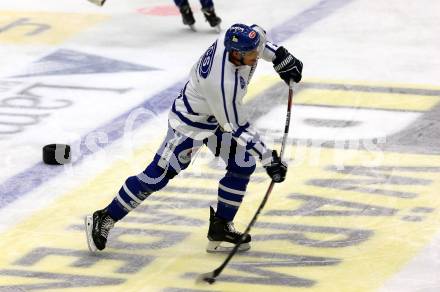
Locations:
(218, 271)
(287, 126)
(248, 228)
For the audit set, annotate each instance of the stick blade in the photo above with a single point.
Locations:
(206, 278)
(97, 2)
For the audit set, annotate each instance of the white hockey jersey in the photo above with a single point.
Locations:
(213, 97)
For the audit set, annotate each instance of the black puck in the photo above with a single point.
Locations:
(56, 154)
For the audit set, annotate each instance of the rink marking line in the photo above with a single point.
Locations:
(370, 100)
(262, 83)
(377, 84)
(298, 23)
(158, 103)
(353, 94)
(43, 27)
(160, 10)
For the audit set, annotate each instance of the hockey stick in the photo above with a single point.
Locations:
(98, 2)
(211, 276)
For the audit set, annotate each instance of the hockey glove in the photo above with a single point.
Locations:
(287, 66)
(276, 169)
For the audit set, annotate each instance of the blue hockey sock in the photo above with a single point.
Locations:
(230, 195)
(136, 189)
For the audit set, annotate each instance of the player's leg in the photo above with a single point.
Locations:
(185, 11)
(240, 165)
(173, 156)
(209, 13)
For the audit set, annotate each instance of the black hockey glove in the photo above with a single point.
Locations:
(287, 66)
(276, 169)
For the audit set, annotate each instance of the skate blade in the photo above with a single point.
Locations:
(192, 27)
(88, 222)
(218, 29)
(222, 247)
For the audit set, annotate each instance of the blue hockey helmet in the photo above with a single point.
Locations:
(242, 38)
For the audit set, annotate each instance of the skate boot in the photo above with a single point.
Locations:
(187, 16)
(212, 18)
(223, 236)
(98, 226)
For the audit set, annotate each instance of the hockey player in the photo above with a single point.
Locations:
(209, 111)
(207, 9)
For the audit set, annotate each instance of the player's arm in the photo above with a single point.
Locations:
(230, 115)
(284, 63)
(266, 49)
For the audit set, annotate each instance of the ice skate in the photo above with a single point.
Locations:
(97, 228)
(212, 18)
(223, 236)
(187, 16)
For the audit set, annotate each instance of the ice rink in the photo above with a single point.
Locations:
(359, 210)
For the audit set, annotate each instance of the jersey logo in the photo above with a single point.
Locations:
(206, 61)
(185, 156)
(237, 29)
(242, 82)
(252, 34)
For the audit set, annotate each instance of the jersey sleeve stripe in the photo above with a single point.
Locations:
(269, 47)
(255, 152)
(186, 102)
(241, 130)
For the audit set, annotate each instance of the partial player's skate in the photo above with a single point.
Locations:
(223, 236)
(212, 18)
(97, 227)
(187, 16)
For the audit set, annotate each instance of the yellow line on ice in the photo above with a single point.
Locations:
(44, 27)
